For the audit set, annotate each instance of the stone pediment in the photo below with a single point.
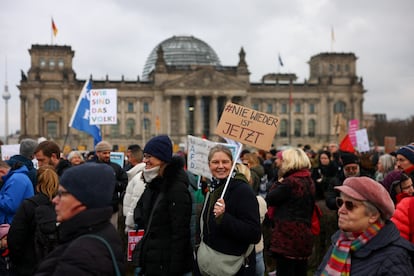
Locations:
(206, 78)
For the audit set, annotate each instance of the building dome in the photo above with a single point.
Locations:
(182, 50)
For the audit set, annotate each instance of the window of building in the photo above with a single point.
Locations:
(283, 128)
(130, 107)
(51, 105)
(146, 107)
(298, 108)
(269, 108)
(255, 106)
(130, 127)
(115, 130)
(52, 129)
(298, 128)
(42, 62)
(331, 68)
(147, 127)
(312, 108)
(339, 107)
(346, 67)
(283, 108)
(311, 128)
(51, 63)
(61, 63)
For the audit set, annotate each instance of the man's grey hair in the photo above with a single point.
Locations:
(27, 147)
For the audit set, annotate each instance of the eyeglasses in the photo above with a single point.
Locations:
(61, 193)
(349, 205)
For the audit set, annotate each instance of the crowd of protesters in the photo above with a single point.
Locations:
(74, 214)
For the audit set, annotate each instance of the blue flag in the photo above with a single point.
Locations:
(80, 116)
(280, 61)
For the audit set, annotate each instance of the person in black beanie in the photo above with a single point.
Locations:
(83, 206)
(166, 246)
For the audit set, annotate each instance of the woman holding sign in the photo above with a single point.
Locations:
(230, 223)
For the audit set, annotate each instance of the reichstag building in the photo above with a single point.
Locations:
(183, 90)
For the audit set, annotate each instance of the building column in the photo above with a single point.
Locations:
(165, 122)
(23, 117)
(183, 120)
(121, 118)
(213, 114)
(36, 128)
(198, 120)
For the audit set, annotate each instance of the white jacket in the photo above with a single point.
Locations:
(134, 190)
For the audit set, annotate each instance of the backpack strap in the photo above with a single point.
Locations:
(108, 246)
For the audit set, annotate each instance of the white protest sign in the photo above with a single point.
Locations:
(362, 140)
(197, 156)
(103, 107)
(8, 151)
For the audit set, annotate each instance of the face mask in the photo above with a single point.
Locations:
(150, 174)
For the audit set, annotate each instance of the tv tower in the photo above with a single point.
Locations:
(6, 97)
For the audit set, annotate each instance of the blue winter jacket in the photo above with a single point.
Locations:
(16, 187)
(386, 254)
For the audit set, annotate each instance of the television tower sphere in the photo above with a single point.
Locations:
(6, 94)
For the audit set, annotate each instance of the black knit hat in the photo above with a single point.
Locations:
(160, 147)
(91, 183)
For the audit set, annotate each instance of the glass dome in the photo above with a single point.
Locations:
(182, 50)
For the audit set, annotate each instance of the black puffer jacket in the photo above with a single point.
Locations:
(21, 237)
(85, 256)
(166, 247)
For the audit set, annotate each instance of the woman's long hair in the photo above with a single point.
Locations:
(47, 181)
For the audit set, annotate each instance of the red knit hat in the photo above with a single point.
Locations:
(366, 189)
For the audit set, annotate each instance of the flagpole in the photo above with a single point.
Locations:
(66, 137)
(51, 34)
(231, 171)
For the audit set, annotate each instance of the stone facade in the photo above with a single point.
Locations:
(188, 100)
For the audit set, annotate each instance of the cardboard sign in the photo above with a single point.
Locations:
(103, 107)
(390, 143)
(247, 126)
(133, 238)
(197, 157)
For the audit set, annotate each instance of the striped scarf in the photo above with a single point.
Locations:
(340, 261)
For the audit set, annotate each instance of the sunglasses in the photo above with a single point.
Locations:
(349, 205)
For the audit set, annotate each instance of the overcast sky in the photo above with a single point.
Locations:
(115, 37)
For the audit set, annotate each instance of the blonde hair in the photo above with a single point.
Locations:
(252, 159)
(47, 181)
(294, 159)
(243, 169)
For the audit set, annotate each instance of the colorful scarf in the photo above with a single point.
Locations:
(340, 261)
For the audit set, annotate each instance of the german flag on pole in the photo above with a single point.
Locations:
(54, 28)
